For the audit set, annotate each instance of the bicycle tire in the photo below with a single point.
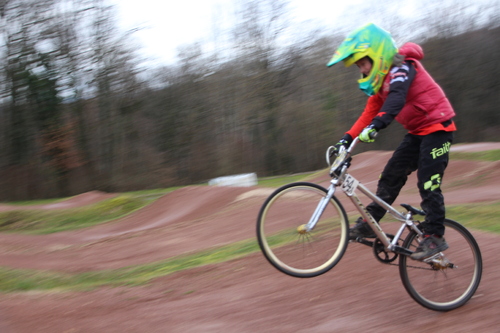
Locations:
(296, 252)
(448, 288)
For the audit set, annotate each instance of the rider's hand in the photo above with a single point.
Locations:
(368, 134)
(344, 142)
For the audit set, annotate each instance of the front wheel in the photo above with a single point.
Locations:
(451, 279)
(284, 240)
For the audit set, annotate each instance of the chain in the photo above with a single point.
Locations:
(430, 269)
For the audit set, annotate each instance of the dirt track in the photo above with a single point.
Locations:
(244, 295)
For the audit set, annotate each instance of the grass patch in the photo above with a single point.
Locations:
(283, 180)
(152, 194)
(316, 174)
(36, 202)
(143, 194)
(482, 216)
(488, 155)
(50, 221)
(24, 280)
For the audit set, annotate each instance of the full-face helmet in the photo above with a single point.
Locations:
(368, 41)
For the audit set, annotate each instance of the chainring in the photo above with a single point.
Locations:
(381, 253)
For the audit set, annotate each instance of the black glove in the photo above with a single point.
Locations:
(344, 142)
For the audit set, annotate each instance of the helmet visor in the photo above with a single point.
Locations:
(345, 50)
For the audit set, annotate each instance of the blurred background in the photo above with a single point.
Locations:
(84, 106)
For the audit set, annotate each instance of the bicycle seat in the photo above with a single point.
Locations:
(413, 210)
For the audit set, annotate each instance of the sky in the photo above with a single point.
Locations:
(168, 24)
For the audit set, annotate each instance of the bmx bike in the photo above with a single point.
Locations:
(303, 231)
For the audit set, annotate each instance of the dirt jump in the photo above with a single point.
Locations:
(245, 294)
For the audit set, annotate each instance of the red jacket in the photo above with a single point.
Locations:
(426, 104)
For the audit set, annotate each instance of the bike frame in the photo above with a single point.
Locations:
(349, 185)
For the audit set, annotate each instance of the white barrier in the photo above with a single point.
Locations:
(243, 180)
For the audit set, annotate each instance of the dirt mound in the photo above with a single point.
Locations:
(80, 200)
(244, 295)
(175, 224)
(472, 147)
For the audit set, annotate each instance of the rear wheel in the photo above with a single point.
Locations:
(285, 242)
(449, 281)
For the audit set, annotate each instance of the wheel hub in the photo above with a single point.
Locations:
(302, 229)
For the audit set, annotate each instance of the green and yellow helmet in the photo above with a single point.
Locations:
(368, 41)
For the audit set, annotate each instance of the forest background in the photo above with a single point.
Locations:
(79, 111)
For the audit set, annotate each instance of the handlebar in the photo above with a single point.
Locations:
(343, 155)
(354, 142)
(342, 149)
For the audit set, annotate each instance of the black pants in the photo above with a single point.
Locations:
(429, 154)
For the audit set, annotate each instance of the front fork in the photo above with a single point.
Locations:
(320, 209)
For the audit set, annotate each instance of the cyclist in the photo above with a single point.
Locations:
(400, 88)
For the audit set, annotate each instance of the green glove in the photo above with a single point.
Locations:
(368, 134)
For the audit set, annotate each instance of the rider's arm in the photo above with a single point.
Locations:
(400, 81)
(372, 108)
